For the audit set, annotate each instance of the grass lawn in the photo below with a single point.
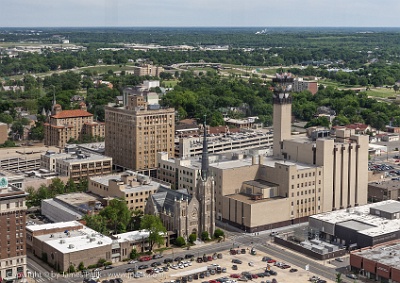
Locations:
(170, 83)
(381, 92)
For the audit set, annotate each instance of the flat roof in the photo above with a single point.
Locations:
(380, 226)
(132, 236)
(76, 198)
(75, 240)
(387, 254)
(246, 199)
(103, 180)
(390, 207)
(260, 183)
(387, 185)
(355, 225)
(63, 207)
(49, 226)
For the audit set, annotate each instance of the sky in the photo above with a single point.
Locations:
(199, 13)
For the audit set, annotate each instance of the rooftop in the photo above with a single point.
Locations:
(387, 254)
(372, 225)
(72, 114)
(50, 226)
(132, 236)
(75, 240)
(77, 198)
(248, 200)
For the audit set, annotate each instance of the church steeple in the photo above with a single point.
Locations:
(204, 156)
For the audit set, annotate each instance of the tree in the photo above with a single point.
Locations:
(218, 233)
(192, 238)
(339, 278)
(205, 236)
(71, 269)
(153, 224)
(118, 215)
(81, 266)
(180, 242)
(134, 254)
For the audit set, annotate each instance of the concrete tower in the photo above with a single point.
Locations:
(282, 111)
(205, 193)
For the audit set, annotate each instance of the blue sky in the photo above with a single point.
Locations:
(260, 13)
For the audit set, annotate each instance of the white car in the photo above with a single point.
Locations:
(251, 263)
(174, 266)
(181, 266)
(132, 261)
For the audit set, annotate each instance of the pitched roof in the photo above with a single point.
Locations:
(165, 198)
(72, 114)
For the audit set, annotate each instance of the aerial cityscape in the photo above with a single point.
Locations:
(199, 142)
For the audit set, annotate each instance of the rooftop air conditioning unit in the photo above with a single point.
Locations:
(71, 246)
(62, 241)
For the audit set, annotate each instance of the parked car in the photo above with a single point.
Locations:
(108, 267)
(168, 260)
(145, 258)
(238, 261)
(157, 256)
(132, 261)
(293, 270)
(187, 256)
(130, 269)
(234, 267)
(351, 276)
(339, 259)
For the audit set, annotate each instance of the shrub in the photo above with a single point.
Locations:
(192, 238)
(205, 236)
(92, 266)
(180, 242)
(218, 233)
(134, 254)
(81, 266)
(71, 269)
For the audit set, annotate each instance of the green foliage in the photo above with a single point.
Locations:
(320, 121)
(92, 266)
(117, 215)
(157, 231)
(339, 278)
(133, 254)
(218, 233)
(180, 242)
(192, 238)
(56, 187)
(101, 262)
(81, 266)
(8, 143)
(71, 269)
(205, 236)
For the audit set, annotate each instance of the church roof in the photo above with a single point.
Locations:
(165, 198)
(72, 113)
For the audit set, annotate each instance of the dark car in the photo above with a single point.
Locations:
(119, 280)
(234, 267)
(108, 267)
(143, 266)
(189, 256)
(155, 264)
(293, 270)
(178, 258)
(272, 272)
(157, 256)
(167, 260)
(238, 261)
(130, 269)
(105, 281)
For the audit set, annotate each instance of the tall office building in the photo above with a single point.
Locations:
(12, 234)
(135, 134)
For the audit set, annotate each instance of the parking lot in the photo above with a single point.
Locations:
(251, 266)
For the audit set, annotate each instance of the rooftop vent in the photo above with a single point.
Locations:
(62, 241)
(71, 246)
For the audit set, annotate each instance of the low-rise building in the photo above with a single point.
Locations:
(69, 207)
(68, 243)
(359, 227)
(77, 165)
(219, 143)
(131, 186)
(299, 84)
(378, 263)
(383, 190)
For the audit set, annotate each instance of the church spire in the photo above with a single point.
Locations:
(204, 156)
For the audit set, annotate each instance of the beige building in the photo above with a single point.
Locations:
(68, 243)
(64, 125)
(134, 188)
(77, 166)
(135, 134)
(219, 143)
(305, 176)
(12, 238)
(148, 70)
(184, 213)
(3, 133)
